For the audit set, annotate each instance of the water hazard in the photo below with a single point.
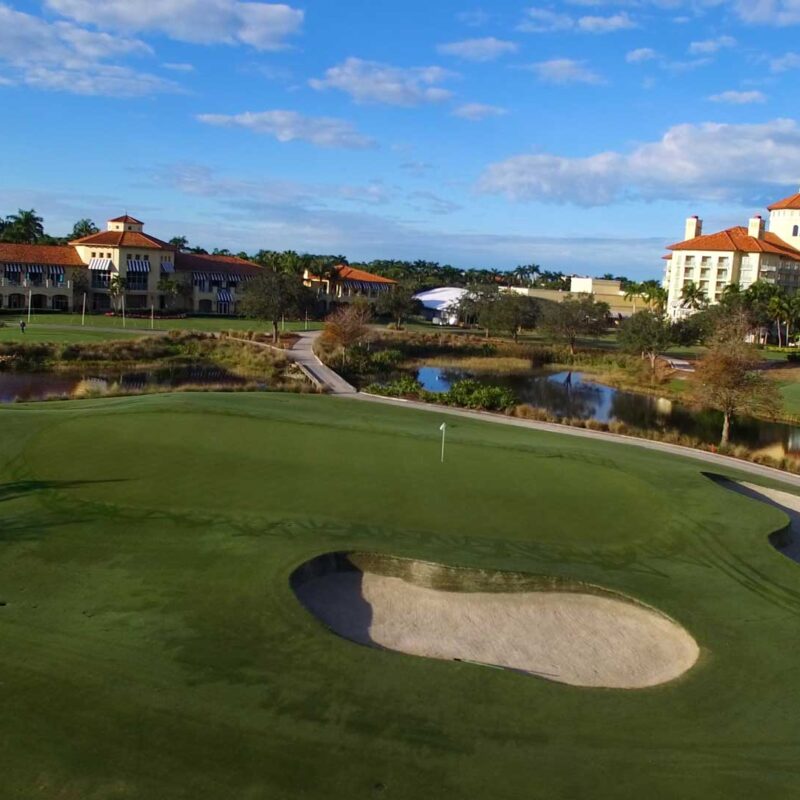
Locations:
(570, 394)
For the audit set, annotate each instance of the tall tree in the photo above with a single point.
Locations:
(648, 334)
(84, 227)
(693, 297)
(271, 296)
(179, 243)
(728, 378)
(577, 315)
(398, 303)
(347, 327)
(24, 227)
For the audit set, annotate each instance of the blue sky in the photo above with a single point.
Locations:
(577, 135)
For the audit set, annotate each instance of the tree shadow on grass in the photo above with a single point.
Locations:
(30, 526)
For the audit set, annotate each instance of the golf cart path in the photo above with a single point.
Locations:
(303, 354)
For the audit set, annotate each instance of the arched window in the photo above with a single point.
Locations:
(796, 230)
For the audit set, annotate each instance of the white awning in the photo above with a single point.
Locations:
(103, 264)
(138, 266)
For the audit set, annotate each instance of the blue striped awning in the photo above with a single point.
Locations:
(102, 264)
(34, 269)
(167, 266)
(224, 296)
(14, 268)
(55, 272)
(138, 266)
(201, 277)
(367, 286)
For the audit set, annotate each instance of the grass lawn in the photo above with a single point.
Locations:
(33, 335)
(132, 324)
(152, 647)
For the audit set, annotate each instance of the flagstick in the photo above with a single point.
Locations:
(443, 429)
(30, 303)
(83, 313)
(152, 317)
(123, 309)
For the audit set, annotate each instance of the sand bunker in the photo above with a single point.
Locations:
(584, 638)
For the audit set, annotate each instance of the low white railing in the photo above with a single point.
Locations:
(7, 283)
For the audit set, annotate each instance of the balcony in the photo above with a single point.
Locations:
(37, 286)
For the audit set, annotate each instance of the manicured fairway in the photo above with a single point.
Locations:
(152, 647)
(35, 335)
(189, 323)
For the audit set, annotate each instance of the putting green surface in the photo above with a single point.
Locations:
(152, 646)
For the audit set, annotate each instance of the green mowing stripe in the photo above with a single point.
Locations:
(152, 646)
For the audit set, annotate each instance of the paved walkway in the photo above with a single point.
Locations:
(302, 353)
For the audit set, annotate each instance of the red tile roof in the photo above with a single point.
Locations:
(347, 273)
(792, 202)
(198, 262)
(143, 241)
(128, 219)
(55, 255)
(737, 240)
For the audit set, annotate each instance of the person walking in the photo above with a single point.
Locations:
(22, 326)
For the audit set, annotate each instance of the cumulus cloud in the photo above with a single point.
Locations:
(373, 82)
(478, 111)
(290, 126)
(710, 46)
(739, 98)
(486, 49)
(640, 55)
(264, 26)
(61, 56)
(564, 70)
(544, 20)
(769, 12)
(709, 161)
(785, 62)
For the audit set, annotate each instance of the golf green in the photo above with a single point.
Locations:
(152, 646)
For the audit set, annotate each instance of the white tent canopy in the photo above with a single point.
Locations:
(441, 303)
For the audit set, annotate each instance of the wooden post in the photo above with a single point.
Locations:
(30, 303)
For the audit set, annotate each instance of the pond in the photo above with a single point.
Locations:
(570, 394)
(29, 386)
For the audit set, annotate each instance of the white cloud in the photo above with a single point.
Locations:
(640, 55)
(372, 82)
(544, 20)
(290, 126)
(264, 26)
(709, 46)
(475, 112)
(486, 49)
(478, 111)
(769, 12)
(565, 70)
(785, 62)
(61, 56)
(179, 67)
(616, 22)
(710, 161)
(739, 98)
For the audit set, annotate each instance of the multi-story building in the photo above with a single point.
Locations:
(739, 255)
(122, 261)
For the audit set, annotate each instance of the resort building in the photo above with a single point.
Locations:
(120, 264)
(601, 289)
(344, 283)
(740, 255)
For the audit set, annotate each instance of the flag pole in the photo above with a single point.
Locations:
(30, 304)
(443, 429)
(83, 313)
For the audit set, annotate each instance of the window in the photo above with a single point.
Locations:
(100, 280)
(796, 230)
(130, 257)
(137, 282)
(146, 257)
(94, 255)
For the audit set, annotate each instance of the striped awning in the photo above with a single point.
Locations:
(367, 286)
(200, 277)
(103, 264)
(167, 266)
(34, 269)
(55, 272)
(224, 296)
(138, 266)
(13, 267)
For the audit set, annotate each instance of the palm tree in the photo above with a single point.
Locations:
(633, 293)
(779, 309)
(169, 288)
(656, 298)
(179, 242)
(692, 296)
(24, 227)
(84, 227)
(116, 287)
